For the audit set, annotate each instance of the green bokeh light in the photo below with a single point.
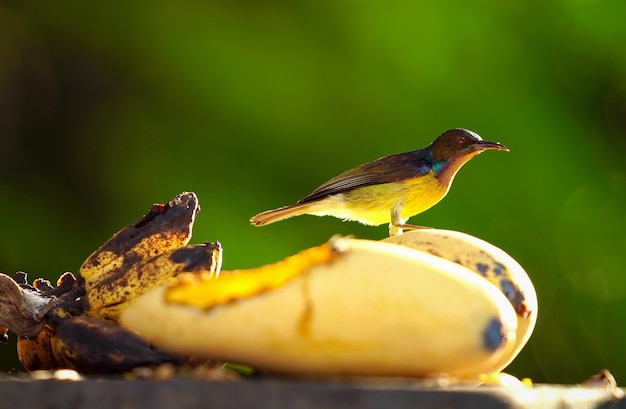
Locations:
(107, 108)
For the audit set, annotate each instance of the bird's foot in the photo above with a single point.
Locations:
(396, 229)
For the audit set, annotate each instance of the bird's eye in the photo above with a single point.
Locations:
(460, 139)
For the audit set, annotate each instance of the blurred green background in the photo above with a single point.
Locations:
(108, 107)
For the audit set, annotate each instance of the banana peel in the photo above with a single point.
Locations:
(144, 255)
(164, 227)
(108, 298)
(346, 308)
(22, 307)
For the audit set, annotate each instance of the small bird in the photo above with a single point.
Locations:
(390, 189)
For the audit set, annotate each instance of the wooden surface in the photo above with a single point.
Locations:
(184, 393)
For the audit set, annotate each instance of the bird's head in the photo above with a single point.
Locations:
(455, 147)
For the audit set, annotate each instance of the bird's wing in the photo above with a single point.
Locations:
(392, 168)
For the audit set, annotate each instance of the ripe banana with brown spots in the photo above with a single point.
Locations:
(35, 353)
(346, 308)
(163, 228)
(489, 262)
(144, 255)
(107, 298)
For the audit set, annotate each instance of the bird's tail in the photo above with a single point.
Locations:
(271, 216)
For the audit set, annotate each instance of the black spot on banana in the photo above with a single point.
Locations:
(494, 335)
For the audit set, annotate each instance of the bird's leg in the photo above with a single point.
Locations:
(397, 221)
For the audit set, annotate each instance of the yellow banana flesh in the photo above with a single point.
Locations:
(202, 293)
(489, 262)
(347, 308)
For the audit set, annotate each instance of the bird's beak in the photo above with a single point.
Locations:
(485, 145)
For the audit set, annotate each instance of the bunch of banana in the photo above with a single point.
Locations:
(74, 325)
(423, 304)
(427, 303)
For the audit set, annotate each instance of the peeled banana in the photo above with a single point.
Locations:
(346, 308)
(489, 262)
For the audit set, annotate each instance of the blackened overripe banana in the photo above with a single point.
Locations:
(85, 344)
(89, 345)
